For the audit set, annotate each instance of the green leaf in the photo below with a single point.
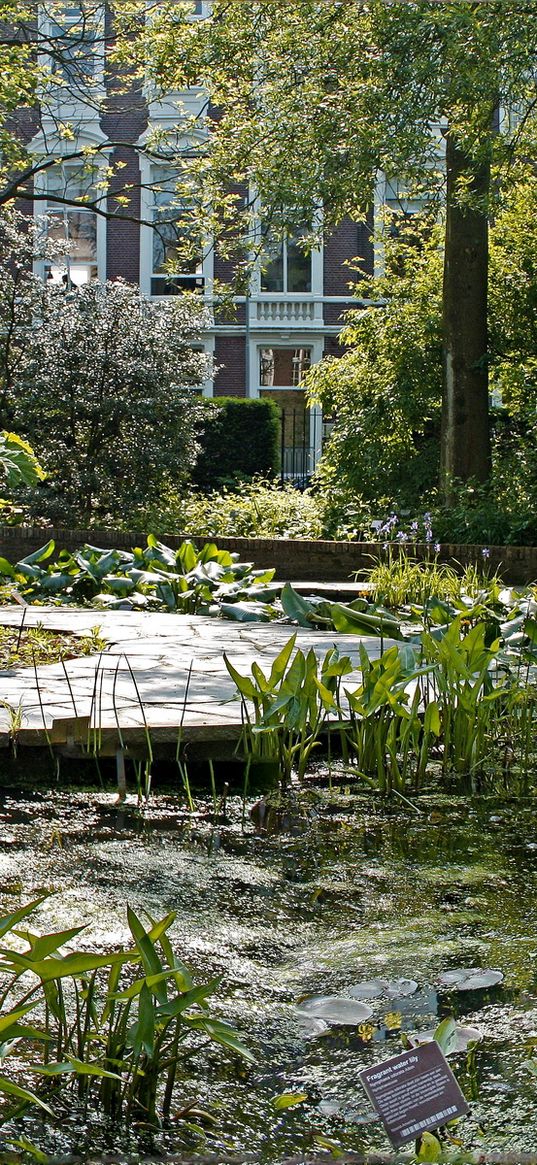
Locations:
(221, 1033)
(12, 1017)
(46, 944)
(141, 1036)
(197, 995)
(40, 555)
(6, 568)
(243, 683)
(12, 1089)
(296, 607)
(9, 921)
(358, 623)
(29, 1147)
(431, 719)
(150, 958)
(288, 1100)
(75, 965)
(250, 612)
(446, 1035)
(430, 1149)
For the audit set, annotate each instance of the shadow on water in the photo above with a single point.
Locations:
(310, 897)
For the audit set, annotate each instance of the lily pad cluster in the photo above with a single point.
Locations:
(348, 1009)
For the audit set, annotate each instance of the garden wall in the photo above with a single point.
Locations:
(293, 559)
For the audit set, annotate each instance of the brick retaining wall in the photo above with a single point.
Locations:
(293, 558)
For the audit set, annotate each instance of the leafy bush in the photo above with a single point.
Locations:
(101, 389)
(240, 439)
(262, 509)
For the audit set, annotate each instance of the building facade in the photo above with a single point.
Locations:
(293, 312)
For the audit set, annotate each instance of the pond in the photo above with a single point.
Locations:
(338, 890)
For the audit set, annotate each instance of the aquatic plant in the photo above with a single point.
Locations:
(114, 1027)
(285, 711)
(209, 581)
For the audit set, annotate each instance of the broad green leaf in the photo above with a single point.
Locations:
(150, 958)
(6, 568)
(296, 607)
(431, 719)
(39, 555)
(358, 623)
(250, 612)
(221, 1033)
(47, 944)
(141, 1036)
(12, 1017)
(188, 999)
(29, 1147)
(71, 965)
(279, 665)
(243, 683)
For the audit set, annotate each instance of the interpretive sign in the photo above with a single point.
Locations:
(414, 1092)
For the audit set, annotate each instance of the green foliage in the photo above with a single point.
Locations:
(384, 393)
(259, 509)
(18, 463)
(291, 706)
(101, 388)
(240, 439)
(452, 695)
(209, 581)
(114, 1028)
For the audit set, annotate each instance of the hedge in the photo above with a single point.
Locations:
(241, 438)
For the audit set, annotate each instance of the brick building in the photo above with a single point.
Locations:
(292, 314)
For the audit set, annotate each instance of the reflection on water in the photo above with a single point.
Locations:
(358, 893)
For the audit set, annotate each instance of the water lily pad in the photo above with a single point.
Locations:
(336, 1009)
(369, 989)
(309, 1025)
(463, 1037)
(374, 988)
(396, 988)
(470, 979)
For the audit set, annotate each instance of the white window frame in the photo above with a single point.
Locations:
(273, 340)
(317, 275)
(40, 214)
(146, 238)
(69, 101)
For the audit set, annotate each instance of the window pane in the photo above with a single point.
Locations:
(73, 49)
(79, 229)
(173, 227)
(272, 265)
(283, 367)
(298, 267)
(168, 239)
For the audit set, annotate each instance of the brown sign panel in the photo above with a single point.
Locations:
(414, 1092)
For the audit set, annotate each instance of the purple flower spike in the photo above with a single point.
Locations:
(437, 548)
(485, 553)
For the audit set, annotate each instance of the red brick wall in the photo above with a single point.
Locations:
(307, 560)
(229, 354)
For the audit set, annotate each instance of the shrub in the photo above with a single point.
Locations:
(262, 509)
(240, 439)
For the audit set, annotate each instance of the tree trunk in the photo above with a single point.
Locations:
(465, 439)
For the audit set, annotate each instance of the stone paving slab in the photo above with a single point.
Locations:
(162, 672)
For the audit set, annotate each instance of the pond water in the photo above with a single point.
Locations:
(340, 891)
